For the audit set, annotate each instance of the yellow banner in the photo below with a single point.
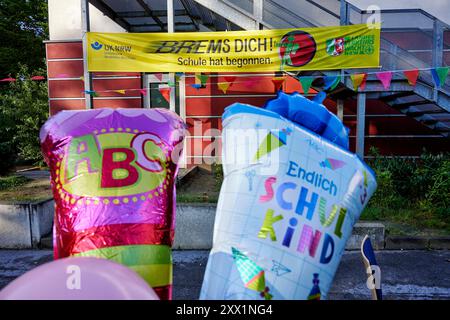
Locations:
(343, 47)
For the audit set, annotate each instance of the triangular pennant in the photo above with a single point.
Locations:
(278, 82)
(223, 86)
(82, 78)
(306, 83)
(196, 85)
(158, 76)
(165, 92)
(230, 79)
(170, 83)
(412, 76)
(121, 91)
(359, 80)
(202, 78)
(439, 75)
(92, 93)
(143, 92)
(385, 78)
(331, 82)
(36, 78)
(178, 75)
(9, 79)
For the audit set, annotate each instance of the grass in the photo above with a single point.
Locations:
(399, 215)
(12, 182)
(15, 189)
(411, 219)
(196, 198)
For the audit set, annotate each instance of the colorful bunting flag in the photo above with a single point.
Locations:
(9, 79)
(202, 78)
(91, 92)
(158, 76)
(37, 78)
(196, 85)
(178, 75)
(306, 83)
(385, 78)
(223, 86)
(359, 80)
(331, 82)
(278, 82)
(143, 92)
(121, 91)
(229, 78)
(439, 75)
(165, 92)
(412, 76)
(82, 78)
(170, 83)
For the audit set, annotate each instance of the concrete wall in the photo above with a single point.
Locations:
(23, 225)
(195, 225)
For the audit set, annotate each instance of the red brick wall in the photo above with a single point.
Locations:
(66, 88)
(387, 129)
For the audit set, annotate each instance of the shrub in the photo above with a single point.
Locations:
(407, 181)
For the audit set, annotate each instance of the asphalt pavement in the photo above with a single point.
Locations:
(409, 274)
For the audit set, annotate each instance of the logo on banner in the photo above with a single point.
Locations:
(335, 47)
(349, 46)
(297, 48)
(96, 45)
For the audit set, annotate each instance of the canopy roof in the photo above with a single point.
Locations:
(151, 15)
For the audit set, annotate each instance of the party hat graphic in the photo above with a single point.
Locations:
(271, 142)
(332, 164)
(251, 274)
(315, 293)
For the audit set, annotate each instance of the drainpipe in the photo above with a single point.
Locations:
(171, 29)
(85, 27)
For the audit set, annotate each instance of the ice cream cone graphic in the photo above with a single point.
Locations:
(251, 274)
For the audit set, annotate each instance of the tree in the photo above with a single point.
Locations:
(23, 110)
(23, 28)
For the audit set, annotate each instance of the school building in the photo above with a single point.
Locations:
(402, 120)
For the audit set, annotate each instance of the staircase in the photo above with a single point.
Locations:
(425, 102)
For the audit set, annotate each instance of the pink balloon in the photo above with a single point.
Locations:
(79, 278)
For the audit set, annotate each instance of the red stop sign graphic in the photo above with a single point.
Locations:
(297, 48)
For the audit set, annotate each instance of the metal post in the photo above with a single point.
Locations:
(360, 124)
(438, 43)
(258, 13)
(340, 109)
(182, 88)
(85, 27)
(343, 13)
(145, 81)
(171, 29)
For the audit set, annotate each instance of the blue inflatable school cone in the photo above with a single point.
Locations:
(298, 215)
